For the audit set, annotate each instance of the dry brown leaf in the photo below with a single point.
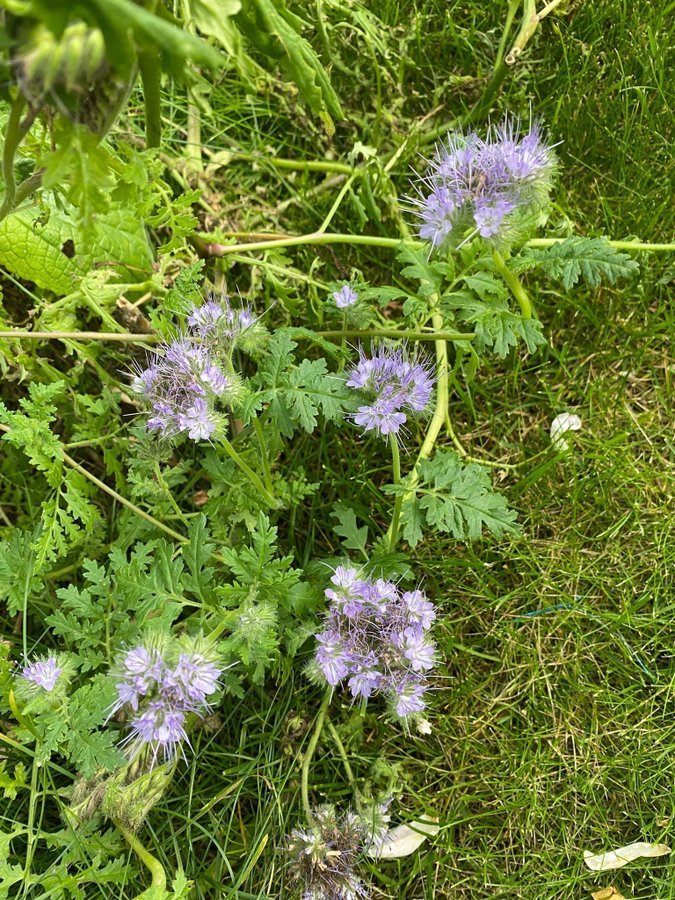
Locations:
(608, 893)
(615, 859)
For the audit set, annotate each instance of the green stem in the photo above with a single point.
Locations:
(398, 502)
(309, 753)
(514, 284)
(618, 245)
(130, 337)
(296, 165)
(260, 434)
(402, 335)
(315, 238)
(154, 866)
(13, 135)
(151, 73)
(337, 740)
(209, 248)
(336, 205)
(248, 471)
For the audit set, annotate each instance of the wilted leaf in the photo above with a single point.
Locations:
(405, 839)
(608, 893)
(615, 859)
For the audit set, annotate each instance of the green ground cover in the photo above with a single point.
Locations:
(552, 722)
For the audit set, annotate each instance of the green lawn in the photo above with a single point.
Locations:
(552, 722)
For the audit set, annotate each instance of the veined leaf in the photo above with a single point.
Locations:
(592, 259)
(352, 536)
(35, 251)
(275, 32)
(454, 498)
(496, 325)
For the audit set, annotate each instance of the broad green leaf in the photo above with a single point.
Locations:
(42, 252)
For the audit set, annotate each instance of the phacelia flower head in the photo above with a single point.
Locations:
(395, 387)
(159, 687)
(376, 638)
(42, 673)
(323, 857)
(188, 379)
(346, 296)
(495, 187)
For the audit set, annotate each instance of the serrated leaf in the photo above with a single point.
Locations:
(592, 259)
(453, 498)
(485, 285)
(197, 554)
(296, 394)
(496, 325)
(18, 580)
(418, 267)
(353, 536)
(275, 32)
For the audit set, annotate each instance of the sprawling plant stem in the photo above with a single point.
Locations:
(309, 753)
(248, 471)
(514, 284)
(154, 866)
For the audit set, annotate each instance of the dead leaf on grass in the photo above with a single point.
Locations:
(615, 859)
(608, 893)
(405, 839)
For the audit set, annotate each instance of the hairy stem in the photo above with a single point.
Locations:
(337, 740)
(13, 137)
(248, 471)
(514, 284)
(151, 73)
(208, 248)
(398, 502)
(264, 456)
(309, 753)
(113, 493)
(152, 864)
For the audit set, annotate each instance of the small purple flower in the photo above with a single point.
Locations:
(43, 672)
(489, 216)
(395, 386)
(206, 317)
(345, 296)
(418, 650)
(375, 637)
(193, 679)
(409, 698)
(364, 682)
(333, 661)
(474, 185)
(161, 688)
(198, 421)
(159, 727)
(420, 610)
(382, 417)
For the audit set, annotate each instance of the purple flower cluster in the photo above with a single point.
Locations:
(43, 673)
(161, 695)
(395, 386)
(489, 187)
(188, 376)
(377, 638)
(346, 296)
